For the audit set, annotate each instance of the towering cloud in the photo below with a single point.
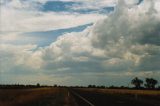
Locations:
(124, 44)
(127, 36)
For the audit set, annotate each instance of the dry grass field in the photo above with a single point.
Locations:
(63, 97)
(35, 97)
(125, 91)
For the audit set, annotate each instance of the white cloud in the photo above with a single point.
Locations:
(95, 4)
(126, 42)
(125, 47)
(21, 17)
(9, 37)
(15, 56)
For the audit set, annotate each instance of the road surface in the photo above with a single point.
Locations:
(85, 98)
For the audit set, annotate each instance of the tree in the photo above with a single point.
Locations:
(137, 82)
(91, 86)
(38, 85)
(55, 85)
(150, 83)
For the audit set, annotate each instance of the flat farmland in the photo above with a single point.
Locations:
(35, 97)
(78, 97)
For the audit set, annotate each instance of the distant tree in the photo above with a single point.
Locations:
(91, 86)
(137, 82)
(38, 85)
(113, 87)
(122, 87)
(55, 85)
(150, 83)
(102, 86)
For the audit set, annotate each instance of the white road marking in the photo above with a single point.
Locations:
(82, 98)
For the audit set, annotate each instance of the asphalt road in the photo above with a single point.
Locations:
(85, 98)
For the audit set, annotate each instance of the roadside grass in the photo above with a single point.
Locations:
(125, 91)
(33, 97)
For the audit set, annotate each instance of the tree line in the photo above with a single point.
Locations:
(21, 86)
(150, 83)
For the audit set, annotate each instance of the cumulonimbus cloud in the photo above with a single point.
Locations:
(126, 41)
(127, 35)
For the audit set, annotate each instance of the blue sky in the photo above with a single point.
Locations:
(59, 6)
(79, 42)
(47, 37)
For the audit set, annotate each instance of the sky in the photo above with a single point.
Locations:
(79, 42)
